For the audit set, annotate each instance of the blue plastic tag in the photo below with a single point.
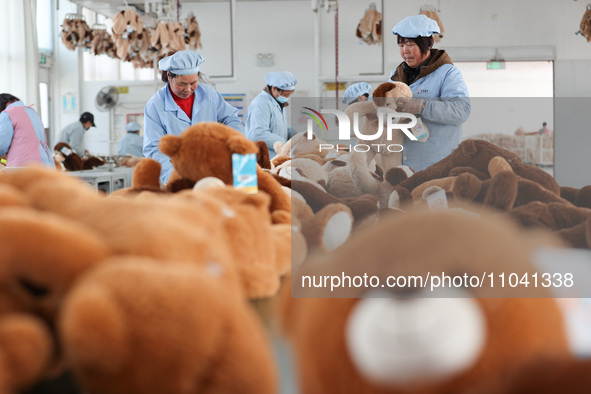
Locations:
(244, 171)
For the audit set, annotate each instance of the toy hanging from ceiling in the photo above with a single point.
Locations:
(585, 26)
(431, 12)
(369, 28)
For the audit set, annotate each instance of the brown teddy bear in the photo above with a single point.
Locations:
(178, 328)
(26, 347)
(384, 97)
(346, 341)
(260, 250)
(325, 230)
(71, 161)
(42, 255)
(205, 149)
(477, 154)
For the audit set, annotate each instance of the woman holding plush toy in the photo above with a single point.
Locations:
(182, 102)
(440, 95)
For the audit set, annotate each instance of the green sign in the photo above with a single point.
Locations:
(495, 65)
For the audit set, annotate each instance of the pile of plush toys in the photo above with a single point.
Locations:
(151, 289)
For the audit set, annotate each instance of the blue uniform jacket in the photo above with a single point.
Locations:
(265, 121)
(447, 107)
(131, 144)
(163, 116)
(73, 135)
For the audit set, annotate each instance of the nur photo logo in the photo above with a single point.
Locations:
(389, 122)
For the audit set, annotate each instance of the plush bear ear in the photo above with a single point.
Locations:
(170, 144)
(258, 200)
(239, 144)
(468, 148)
(263, 158)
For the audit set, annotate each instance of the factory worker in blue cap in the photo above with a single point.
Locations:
(359, 91)
(265, 120)
(182, 103)
(132, 143)
(440, 96)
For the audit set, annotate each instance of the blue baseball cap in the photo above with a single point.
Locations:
(416, 26)
(356, 90)
(133, 126)
(181, 63)
(281, 80)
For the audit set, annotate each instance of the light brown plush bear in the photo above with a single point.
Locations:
(42, 255)
(384, 98)
(410, 338)
(205, 149)
(26, 348)
(140, 326)
(260, 250)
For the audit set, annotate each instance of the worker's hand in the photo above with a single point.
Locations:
(410, 105)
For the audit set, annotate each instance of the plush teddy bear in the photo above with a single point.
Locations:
(42, 255)
(477, 154)
(71, 161)
(325, 230)
(259, 249)
(364, 208)
(145, 178)
(26, 348)
(205, 149)
(141, 326)
(384, 98)
(458, 339)
(579, 197)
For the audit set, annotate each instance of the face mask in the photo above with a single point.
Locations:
(282, 99)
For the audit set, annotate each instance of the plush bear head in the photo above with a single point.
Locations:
(205, 149)
(386, 93)
(415, 337)
(25, 351)
(42, 255)
(141, 326)
(384, 99)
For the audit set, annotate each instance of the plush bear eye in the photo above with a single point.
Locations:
(35, 290)
(388, 104)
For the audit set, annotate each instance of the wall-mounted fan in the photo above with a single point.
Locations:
(107, 98)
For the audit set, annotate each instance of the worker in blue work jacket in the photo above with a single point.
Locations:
(132, 143)
(182, 103)
(265, 120)
(357, 92)
(440, 96)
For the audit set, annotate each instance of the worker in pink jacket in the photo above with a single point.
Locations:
(22, 135)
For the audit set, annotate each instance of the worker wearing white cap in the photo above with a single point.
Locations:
(265, 120)
(132, 143)
(359, 91)
(182, 103)
(440, 95)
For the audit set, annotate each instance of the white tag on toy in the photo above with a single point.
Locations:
(244, 171)
(66, 151)
(420, 131)
(437, 200)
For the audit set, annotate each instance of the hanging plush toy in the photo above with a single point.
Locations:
(431, 12)
(585, 26)
(369, 28)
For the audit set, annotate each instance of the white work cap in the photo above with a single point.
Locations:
(356, 90)
(281, 80)
(133, 126)
(181, 63)
(416, 26)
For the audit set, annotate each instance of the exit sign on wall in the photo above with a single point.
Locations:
(495, 65)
